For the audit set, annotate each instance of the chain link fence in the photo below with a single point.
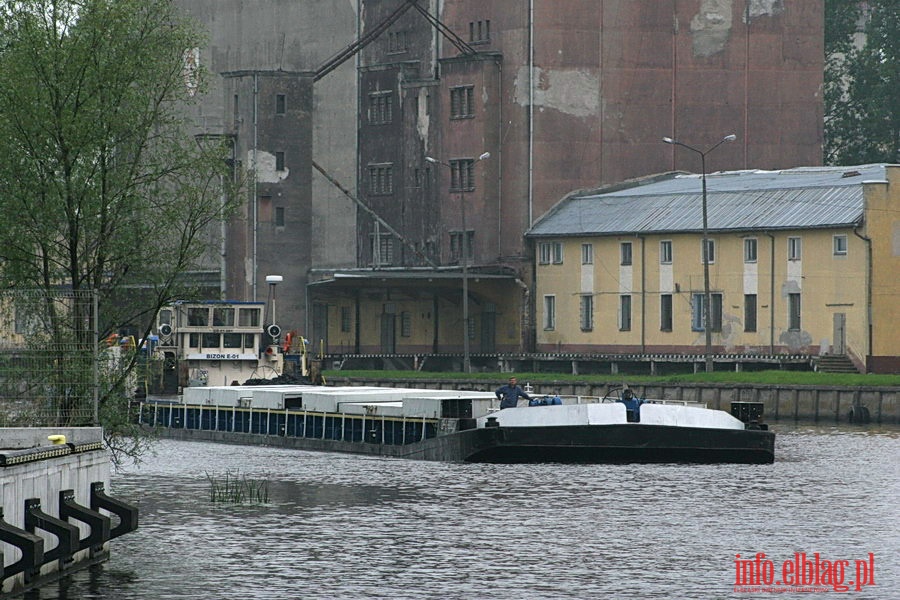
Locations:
(51, 363)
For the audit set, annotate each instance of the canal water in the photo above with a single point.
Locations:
(342, 526)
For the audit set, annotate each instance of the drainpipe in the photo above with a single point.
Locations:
(643, 294)
(255, 205)
(530, 112)
(771, 293)
(869, 330)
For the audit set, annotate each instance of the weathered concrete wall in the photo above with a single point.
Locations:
(44, 479)
(285, 35)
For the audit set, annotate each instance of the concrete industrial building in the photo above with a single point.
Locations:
(563, 94)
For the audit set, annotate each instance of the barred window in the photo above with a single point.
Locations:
(380, 108)
(381, 179)
(462, 174)
(461, 102)
(587, 312)
(398, 41)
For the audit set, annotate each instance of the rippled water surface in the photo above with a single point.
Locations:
(342, 526)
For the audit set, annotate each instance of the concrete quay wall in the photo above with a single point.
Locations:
(837, 404)
(34, 467)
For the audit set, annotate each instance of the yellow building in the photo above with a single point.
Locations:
(801, 261)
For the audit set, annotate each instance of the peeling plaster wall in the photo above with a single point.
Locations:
(711, 27)
(265, 167)
(764, 8)
(574, 92)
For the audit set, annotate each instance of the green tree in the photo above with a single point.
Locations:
(862, 82)
(105, 186)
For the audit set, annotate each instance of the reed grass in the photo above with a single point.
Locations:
(235, 488)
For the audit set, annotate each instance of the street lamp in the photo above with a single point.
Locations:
(467, 365)
(707, 321)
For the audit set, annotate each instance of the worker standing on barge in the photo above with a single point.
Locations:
(509, 394)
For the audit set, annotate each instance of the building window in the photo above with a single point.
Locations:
(280, 104)
(750, 250)
(398, 41)
(625, 253)
(840, 245)
(587, 254)
(710, 254)
(715, 313)
(794, 312)
(480, 31)
(749, 312)
(456, 240)
(587, 312)
(279, 216)
(462, 173)
(380, 108)
(625, 313)
(550, 252)
(417, 177)
(794, 248)
(665, 252)
(279, 161)
(235, 112)
(382, 249)
(381, 180)
(405, 324)
(345, 319)
(549, 313)
(665, 312)
(461, 102)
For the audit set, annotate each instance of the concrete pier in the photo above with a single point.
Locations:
(40, 469)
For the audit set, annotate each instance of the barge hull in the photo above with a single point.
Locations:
(625, 443)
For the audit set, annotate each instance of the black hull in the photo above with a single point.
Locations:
(625, 443)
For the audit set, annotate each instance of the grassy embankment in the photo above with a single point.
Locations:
(754, 377)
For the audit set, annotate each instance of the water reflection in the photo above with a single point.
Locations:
(341, 526)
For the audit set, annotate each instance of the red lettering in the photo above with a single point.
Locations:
(787, 573)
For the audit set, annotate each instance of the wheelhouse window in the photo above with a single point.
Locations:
(223, 317)
(248, 317)
(198, 316)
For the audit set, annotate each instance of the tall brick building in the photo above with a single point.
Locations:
(563, 94)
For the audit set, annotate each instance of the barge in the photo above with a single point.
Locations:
(452, 425)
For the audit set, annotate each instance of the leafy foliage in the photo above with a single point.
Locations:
(104, 185)
(862, 82)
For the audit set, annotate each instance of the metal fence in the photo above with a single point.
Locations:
(50, 359)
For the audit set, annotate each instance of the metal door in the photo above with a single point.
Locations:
(839, 343)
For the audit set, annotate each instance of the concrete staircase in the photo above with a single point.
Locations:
(835, 363)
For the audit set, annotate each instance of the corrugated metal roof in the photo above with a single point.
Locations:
(815, 197)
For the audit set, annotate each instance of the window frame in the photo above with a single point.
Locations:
(586, 312)
(794, 248)
(840, 244)
(666, 314)
(625, 316)
(751, 313)
(795, 311)
(549, 312)
(587, 254)
(751, 250)
(665, 252)
(715, 312)
(462, 102)
(626, 254)
(708, 251)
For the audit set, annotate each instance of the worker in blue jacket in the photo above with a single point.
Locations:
(509, 394)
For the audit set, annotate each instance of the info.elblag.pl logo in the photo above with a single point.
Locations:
(802, 574)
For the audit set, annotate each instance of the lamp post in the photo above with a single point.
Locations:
(467, 365)
(273, 329)
(707, 321)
